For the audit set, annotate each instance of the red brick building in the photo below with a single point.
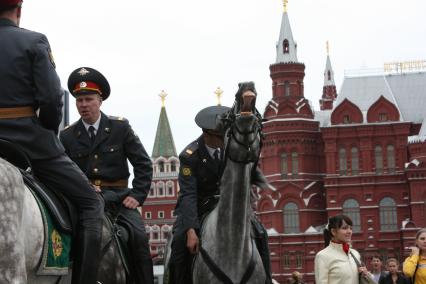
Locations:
(158, 209)
(363, 154)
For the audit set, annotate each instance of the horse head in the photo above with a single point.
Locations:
(243, 127)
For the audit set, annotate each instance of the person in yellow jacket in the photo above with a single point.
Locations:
(414, 266)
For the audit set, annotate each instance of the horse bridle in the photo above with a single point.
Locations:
(232, 135)
(220, 274)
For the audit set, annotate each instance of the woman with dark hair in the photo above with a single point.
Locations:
(335, 264)
(414, 266)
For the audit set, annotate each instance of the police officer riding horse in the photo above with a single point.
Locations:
(202, 165)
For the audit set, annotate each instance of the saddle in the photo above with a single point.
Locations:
(63, 212)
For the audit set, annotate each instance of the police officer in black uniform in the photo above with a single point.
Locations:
(101, 145)
(28, 82)
(200, 171)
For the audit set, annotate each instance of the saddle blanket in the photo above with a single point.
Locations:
(55, 259)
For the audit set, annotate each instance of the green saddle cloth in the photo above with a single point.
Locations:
(55, 258)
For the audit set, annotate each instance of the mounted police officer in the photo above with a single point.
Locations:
(28, 82)
(101, 145)
(199, 176)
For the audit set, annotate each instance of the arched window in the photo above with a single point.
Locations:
(173, 166)
(161, 167)
(160, 189)
(170, 187)
(391, 158)
(152, 190)
(342, 161)
(148, 232)
(294, 164)
(286, 88)
(378, 156)
(354, 161)
(328, 75)
(165, 232)
(286, 47)
(351, 209)
(155, 233)
(388, 218)
(284, 167)
(291, 218)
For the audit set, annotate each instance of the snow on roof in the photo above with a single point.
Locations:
(272, 232)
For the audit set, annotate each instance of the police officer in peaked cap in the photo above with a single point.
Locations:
(200, 171)
(101, 145)
(28, 82)
(200, 166)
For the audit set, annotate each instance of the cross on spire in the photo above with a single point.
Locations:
(218, 93)
(163, 96)
(285, 3)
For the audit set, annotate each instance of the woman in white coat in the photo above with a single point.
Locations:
(335, 264)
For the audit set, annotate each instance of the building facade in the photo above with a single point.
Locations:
(158, 209)
(362, 154)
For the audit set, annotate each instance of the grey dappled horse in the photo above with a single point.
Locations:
(226, 231)
(22, 236)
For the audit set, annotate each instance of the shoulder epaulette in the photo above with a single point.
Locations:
(190, 149)
(118, 118)
(69, 126)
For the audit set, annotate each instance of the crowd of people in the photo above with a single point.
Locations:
(338, 262)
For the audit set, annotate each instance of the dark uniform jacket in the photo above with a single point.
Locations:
(387, 279)
(28, 78)
(106, 159)
(198, 180)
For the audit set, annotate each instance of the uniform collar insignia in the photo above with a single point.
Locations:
(83, 71)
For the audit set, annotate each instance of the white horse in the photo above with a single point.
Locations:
(22, 237)
(226, 231)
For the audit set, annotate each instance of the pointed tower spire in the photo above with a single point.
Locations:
(286, 46)
(329, 93)
(288, 99)
(164, 145)
(328, 73)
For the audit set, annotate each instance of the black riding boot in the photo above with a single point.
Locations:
(261, 240)
(86, 262)
(262, 247)
(179, 273)
(144, 271)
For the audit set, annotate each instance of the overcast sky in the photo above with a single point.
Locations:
(188, 48)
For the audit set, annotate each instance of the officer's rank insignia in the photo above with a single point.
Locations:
(189, 151)
(186, 171)
(56, 243)
(83, 71)
(52, 60)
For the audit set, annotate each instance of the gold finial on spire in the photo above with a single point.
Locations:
(163, 96)
(328, 48)
(285, 2)
(218, 93)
